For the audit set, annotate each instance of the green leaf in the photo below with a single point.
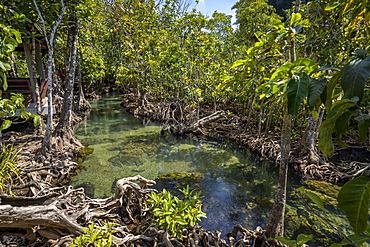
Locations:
(328, 67)
(359, 239)
(281, 72)
(303, 238)
(298, 88)
(317, 87)
(353, 199)
(6, 124)
(296, 17)
(327, 127)
(286, 241)
(305, 65)
(354, 77)
(363, 126)
(330, 88)
(315, 198)
(238, 63)
(4, 66)
(332, 6)
(342, 126)
(361, 53)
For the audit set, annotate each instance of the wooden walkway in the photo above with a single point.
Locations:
(23, 86)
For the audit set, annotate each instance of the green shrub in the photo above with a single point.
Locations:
(96, 236)
(8, 169)
(174, 214)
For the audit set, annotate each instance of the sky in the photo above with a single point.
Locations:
(207, 7)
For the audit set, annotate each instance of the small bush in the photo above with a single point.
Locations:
(174, 214)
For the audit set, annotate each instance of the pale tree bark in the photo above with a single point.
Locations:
(47, 142)
(13, 71)
(63, 133)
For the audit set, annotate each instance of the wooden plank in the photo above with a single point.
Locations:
(19, 85)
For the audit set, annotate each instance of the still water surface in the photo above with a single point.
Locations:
(238, 187)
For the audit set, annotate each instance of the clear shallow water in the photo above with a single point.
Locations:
(237, 186)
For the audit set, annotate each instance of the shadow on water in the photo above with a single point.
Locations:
(237, 186)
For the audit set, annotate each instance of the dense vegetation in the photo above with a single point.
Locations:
(302, 70)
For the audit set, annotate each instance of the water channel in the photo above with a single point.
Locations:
(238, 187)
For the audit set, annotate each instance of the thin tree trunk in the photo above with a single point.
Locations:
(39, 62)
(260, 117)
(46, 144)
(28, 51)
(82, 106)
(13, 62)
(310, 137)
(275, 226)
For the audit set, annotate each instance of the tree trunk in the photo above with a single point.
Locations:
(275, 226)
(30, 60)
(39, 62)
(13, 62)
(310, 137)
(82, 106)
(46, 144)
(63, 133)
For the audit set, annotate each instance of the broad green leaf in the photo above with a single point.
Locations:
(296, 17)
(6, 124)
(305, 65)
(303, 238)
(353, 199)
(317, 87)
(298, 88)
(330, 88)
(327, 127)
(342, 126)
(354, 77)
(281, 72)
(276, 87)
